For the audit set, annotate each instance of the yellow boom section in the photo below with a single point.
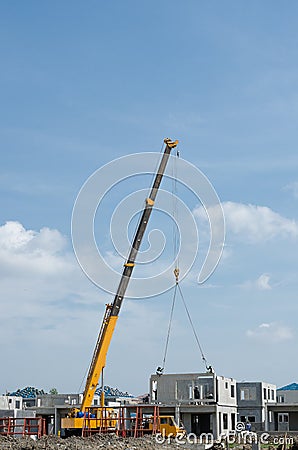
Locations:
(112, 311)
(99, 357)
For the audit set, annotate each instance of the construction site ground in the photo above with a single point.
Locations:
(101, 442)
(112, 441)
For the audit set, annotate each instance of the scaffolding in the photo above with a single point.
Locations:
(32, 426)
(125, 421)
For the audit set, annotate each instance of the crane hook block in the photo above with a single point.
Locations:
(170, 143)
(176, 273)
(129, 264)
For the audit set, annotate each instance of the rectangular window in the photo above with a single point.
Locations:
(283, 417)
(232, 390)
(280, 399)
(206, 390)
(244, 394)
(226, 385)
(268, 393)
(17, 404)
(225, 421)
(272, 394)
(95, 402)
(251, 418)
(248, 393)
(265, 396)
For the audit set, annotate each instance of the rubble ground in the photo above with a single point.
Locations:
(100, 442)
(112, 442)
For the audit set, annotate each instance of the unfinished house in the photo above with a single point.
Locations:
(254, 399)
(52, 407)
(204, 402)
(285, 411)
(8, 402)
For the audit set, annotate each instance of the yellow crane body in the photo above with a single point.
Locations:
(76, 418)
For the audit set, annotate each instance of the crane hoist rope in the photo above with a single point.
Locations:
(192, 326)
(169, 327)
(175, 215)
(177, 286)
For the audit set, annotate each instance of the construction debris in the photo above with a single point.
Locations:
(27, 392)
(102, 442)
(111, 441)
(112, 392)
(32, 392)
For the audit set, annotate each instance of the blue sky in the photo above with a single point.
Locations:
(83, 83)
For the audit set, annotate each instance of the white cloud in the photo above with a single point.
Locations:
(263, 282)
(46, 302)
(114, 260)
(292, 187)
(257, 223)
(50, 309)
(272, 332)
(23, 251)
(13, 236)
(254, 223)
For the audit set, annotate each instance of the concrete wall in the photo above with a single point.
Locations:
(225, 422)
(10, 402)
(258, 393)
(208, 402)
(286, 396)
(193, 388)
(25, 413)
(285, 417)
(254, 399)
(6, 413)
(17, 413)
(268, 393)
(221, 420)
(163, 388)
(293, 421)
(49, 401)
(249, 394)
(185, 388)
(226, 391)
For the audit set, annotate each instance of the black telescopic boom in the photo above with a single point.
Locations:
(130, 263)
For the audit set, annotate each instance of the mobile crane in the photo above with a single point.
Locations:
(75, 420)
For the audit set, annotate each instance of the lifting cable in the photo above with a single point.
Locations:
(192, 326)
(178, 287)
(169, 328)
(176, 273)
